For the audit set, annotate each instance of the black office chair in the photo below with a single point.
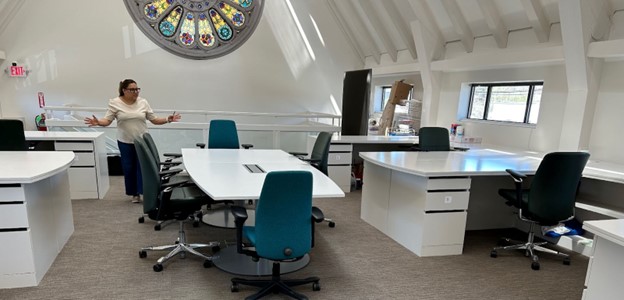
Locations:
(223, 134)
(319, 159)
(283, 231)
(549, 201)
(169, 162)
(12, 135)
(433, 139)
(170, 201)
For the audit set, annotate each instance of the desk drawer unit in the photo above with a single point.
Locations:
(339, 165)
(83, 172)
(428, 215)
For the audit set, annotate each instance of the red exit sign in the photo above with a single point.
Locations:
(17, 71)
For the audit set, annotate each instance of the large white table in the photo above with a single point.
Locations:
(35, 214)
(221, 173)
(604, 272)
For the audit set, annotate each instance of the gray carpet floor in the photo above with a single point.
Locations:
(353, 260)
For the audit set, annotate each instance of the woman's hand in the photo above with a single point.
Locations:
(174, 117)
(92, 121)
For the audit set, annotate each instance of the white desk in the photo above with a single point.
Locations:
(221, 174)
(604, 273)
(343, 147)
(420, 199)
(88, 175)
(35, 214)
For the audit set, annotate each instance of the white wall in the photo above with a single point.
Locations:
(607, 136)
(78, 51)
(542, 137)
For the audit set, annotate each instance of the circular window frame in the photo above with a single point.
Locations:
(172, 44)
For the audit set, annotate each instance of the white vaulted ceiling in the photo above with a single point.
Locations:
(381, 32)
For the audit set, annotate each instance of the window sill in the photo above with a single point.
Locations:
(498, 123)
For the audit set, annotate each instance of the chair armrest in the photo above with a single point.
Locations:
(239, 212)
(317, 215)
(169, 173)
(312, 161)
(201, 145)
(298, 154)
(170, 163)
(247, 146)
(174, 155)
(517, 176)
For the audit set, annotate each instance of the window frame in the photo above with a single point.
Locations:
(527, 108)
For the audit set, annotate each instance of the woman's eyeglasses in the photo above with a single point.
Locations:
(134, 90)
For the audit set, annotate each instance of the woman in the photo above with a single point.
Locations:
(131, 111)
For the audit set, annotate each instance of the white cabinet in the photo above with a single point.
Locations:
(88, 175)
(604, 272)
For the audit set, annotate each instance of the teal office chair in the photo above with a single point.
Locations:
(319, 158)
(170, 201)
(433, 139)
(12, 136)
(169, 162)
(283, 231)
(549, 201)
(223, 134)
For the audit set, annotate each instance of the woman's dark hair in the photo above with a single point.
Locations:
(124, 85)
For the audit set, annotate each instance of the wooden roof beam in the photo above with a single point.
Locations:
(494, 22)
(379, 29)
(537, 18)
(459, 24)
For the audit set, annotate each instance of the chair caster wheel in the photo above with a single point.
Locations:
(234, 288)
(216, 249)
(157, 227)
(316, 286)
(493, 254)
(158, 267)
(142, 220)
(566, 261)
(332, 224)
(142, 254)
(250, 202)
(208, 264)
(535, 266)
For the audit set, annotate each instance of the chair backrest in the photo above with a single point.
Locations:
(433, 139)
(223, 135)
(320, 151)
(283, 215)
(12, 136)
(150, 176)
(553, 190)
(151, 145)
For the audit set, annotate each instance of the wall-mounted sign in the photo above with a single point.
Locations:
(41, 99)
(17, 71)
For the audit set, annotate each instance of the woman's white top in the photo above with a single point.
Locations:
(130, 118)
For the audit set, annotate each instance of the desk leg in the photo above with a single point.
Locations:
(240, 264)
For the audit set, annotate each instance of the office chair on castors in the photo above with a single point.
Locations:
(283, 231)
(549, 201)
(319, 159)
(433, 139)
(12, 136)
(170, 201)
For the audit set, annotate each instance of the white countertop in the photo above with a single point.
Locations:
(64, 135)
(32, 166)
(220, 172)
(612, 230)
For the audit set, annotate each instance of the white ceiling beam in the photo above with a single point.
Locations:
(501, 59)
(404, 32)
(379, 28)
(427, 23)
(346, 31)
(396, 69)
(537, 18)
(359, 25)
(601, 11)
(459, 24)
(494, 22)
(426, 44)
(606, 49)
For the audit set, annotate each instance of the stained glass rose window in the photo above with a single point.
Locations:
(198, 29)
